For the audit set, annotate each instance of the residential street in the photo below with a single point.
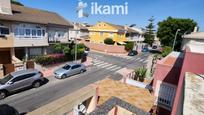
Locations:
(103, 66)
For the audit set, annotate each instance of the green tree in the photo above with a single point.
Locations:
(109, 41)
(167, 30)
(129, 46)
(16, 2)
(149, 35)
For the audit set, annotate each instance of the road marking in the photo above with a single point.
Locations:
(114, 69)
(132, 59)
(106, 65)
(101, 64)
(111, 67)
(140, 60)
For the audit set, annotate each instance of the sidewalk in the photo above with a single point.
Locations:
(48, 70)
(112, 54)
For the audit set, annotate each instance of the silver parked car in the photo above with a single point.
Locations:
(69, 69)
(19, 80)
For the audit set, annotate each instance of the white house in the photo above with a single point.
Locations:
(80, 31)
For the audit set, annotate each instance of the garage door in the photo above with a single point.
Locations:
(5, 57)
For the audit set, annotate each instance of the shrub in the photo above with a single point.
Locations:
(129, 46)
(80, 46)
(50, 59)
(166, 51)
(109, 41)
(140, 73)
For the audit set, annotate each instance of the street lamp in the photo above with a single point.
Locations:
(175, 38)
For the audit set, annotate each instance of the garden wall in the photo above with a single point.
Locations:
(106, 48)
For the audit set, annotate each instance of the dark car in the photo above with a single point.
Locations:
(145, 49)
(132, 53)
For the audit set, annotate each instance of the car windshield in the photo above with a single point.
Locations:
(66, 67)
(6, 79)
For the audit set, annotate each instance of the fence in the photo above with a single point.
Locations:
(8, 68)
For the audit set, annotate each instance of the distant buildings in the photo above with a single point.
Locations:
(119, 34)
(80, 31)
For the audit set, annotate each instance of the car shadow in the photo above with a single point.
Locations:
(45, 81)
(6, 109)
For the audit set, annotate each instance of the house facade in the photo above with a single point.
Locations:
(193, 38)
(170, 75)
(102, 30)
(80, 32)
(27, 32)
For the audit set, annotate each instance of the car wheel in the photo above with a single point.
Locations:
(2, 94)
(36, 84)
(63, 76)
(82, 71)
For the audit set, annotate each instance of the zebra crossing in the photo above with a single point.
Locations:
(106, 65)
(138, 59)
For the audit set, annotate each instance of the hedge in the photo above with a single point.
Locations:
(109, 41)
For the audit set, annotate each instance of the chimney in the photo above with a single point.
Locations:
(5, 7)
(195, 29)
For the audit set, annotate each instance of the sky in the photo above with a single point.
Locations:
(139, 11)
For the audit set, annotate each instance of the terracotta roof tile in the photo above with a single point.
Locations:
(25, 14)
(136, 96)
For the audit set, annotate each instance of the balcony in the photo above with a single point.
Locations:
(6, 41)
(135, 38)
(58, 40)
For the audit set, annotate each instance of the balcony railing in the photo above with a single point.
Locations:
(58, 40)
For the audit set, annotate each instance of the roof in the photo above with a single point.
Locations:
(25, 14)
(193, 94)
(81, 26)
(136, 96)
(23, 72)
(106, 107)
(195, 35)
(120, 27)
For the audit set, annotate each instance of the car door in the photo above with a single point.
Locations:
(28, 79)
(75, 69)
(15, 83)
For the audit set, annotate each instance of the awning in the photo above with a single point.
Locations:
(122, 43)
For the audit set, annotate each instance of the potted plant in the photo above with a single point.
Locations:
(140, 73)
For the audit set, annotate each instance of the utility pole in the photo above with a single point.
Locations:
(175, 39)
(75, 51)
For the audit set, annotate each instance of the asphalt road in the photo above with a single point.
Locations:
(31, 99)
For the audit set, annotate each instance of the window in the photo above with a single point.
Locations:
(110, 34)
(16, 31)
(19, 78)
(76, 66)
(43, 32)
(29, 75)
(4, 31)
(27, 31)
(66, 67)
(6, 79)
(101, 34)
(39, 33)
(21, 32)
(34, 33)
